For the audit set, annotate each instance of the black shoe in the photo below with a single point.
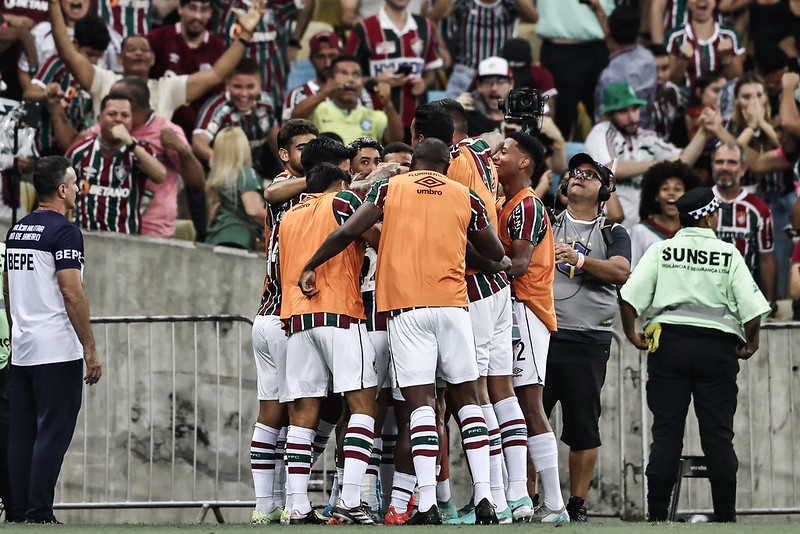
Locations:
(576, 510)
(311, 518)
(351, 516)
(431, 517)
(537, 502)
(484, 513)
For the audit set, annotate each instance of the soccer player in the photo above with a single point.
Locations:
(269, 340)
(490, 312)
(429, 327)
(527, 237)
(328, 340)
(112, 167)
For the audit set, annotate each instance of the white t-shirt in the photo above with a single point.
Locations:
(167, 93)
(37, 247)
(605, 143)
(46, 47)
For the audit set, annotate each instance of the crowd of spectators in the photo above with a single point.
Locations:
(640, 82)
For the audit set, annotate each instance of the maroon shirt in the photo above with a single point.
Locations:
(174, 57)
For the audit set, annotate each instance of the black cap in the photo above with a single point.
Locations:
(518, 53)
(697, 203)
(582, 157)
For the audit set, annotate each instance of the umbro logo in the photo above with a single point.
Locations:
(430, 182)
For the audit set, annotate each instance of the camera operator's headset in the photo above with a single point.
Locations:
(605, 176)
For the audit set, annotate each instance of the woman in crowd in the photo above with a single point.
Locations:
(662, 185)
(234, 193)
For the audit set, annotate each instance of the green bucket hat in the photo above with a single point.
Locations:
(618, 96)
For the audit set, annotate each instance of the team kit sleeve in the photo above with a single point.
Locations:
(68, 249)
(47, 72)
(528, 221)
(596, 145)
(377, 195)
(766, 234)
(479, 219)
(345, 204)
(796, 253)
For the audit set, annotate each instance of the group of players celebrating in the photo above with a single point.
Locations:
(396, 289)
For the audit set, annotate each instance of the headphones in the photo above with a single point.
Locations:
(602, 195)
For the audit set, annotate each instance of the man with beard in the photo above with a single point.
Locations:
(184, 48)
(744, 219)
(494, 83)
(344, 114)
(621, 138)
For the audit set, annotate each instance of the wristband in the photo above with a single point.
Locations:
(244, 41)
(133, 144)
(581, 259)
(295, 43)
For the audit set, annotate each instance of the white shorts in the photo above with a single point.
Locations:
(269, 349)
(427, 341)
(530, 352)
(380, 342)
(491, 323)
(322, 355)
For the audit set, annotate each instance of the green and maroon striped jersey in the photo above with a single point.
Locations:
(706, 56)
(110, 188)
(380, 46)
(270, 39)
(480, 30)
(127, 17)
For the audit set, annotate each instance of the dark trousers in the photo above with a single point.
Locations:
(45, 401)
(696, 363)
(5, 489)
(575, 69)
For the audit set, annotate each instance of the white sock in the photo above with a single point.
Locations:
(424, 449)
(298, 459)
(279, 491)
(514, 433)
(544, 453)
(495, 458)
(402, 490)
(323, 433)
(263, 464)
(443, 490)
(475, 440)
(357, 449)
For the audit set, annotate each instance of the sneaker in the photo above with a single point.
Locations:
(393, 517)
(505, 517)
(521, 509)
(351, 516)
(466, 519)
(411, 503)
(376, 516)
(285, 517)
(328, 511)
(311, 518)
(467, 508)
(431, 517)
(576, 510)
(484, 513)
(546, 515)
(537, 502)
(265, 518)
(447, 509)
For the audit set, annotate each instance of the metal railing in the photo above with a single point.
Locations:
(169, 424)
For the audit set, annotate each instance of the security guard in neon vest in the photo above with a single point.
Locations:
(704, 312)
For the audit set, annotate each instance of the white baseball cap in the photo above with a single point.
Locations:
(494, 66)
